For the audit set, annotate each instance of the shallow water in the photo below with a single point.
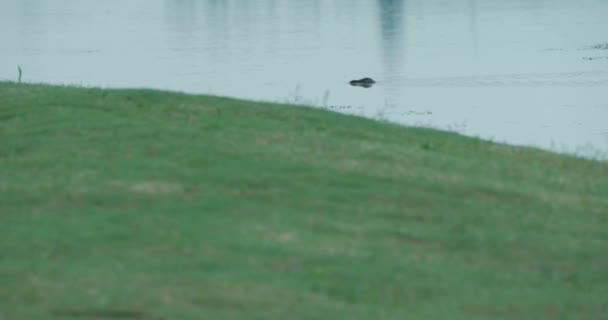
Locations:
(529, 72)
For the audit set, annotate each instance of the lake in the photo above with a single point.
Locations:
(525, 72)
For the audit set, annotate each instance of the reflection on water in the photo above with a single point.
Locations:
(524, 71)
(392, 37)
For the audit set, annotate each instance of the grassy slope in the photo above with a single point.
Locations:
(195, 207)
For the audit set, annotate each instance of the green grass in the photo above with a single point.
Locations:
(196, 207)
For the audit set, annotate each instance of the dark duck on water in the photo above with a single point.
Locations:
(365, 82)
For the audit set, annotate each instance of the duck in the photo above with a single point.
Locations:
(365, 82)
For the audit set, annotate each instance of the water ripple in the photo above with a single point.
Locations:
(580, 78)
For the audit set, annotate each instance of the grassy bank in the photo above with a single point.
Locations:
(159, 204)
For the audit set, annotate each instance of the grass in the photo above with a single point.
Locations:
(147, 204)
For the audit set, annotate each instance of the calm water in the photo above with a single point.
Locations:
(528, 72)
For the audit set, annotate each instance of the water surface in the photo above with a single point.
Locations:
(529, 72)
